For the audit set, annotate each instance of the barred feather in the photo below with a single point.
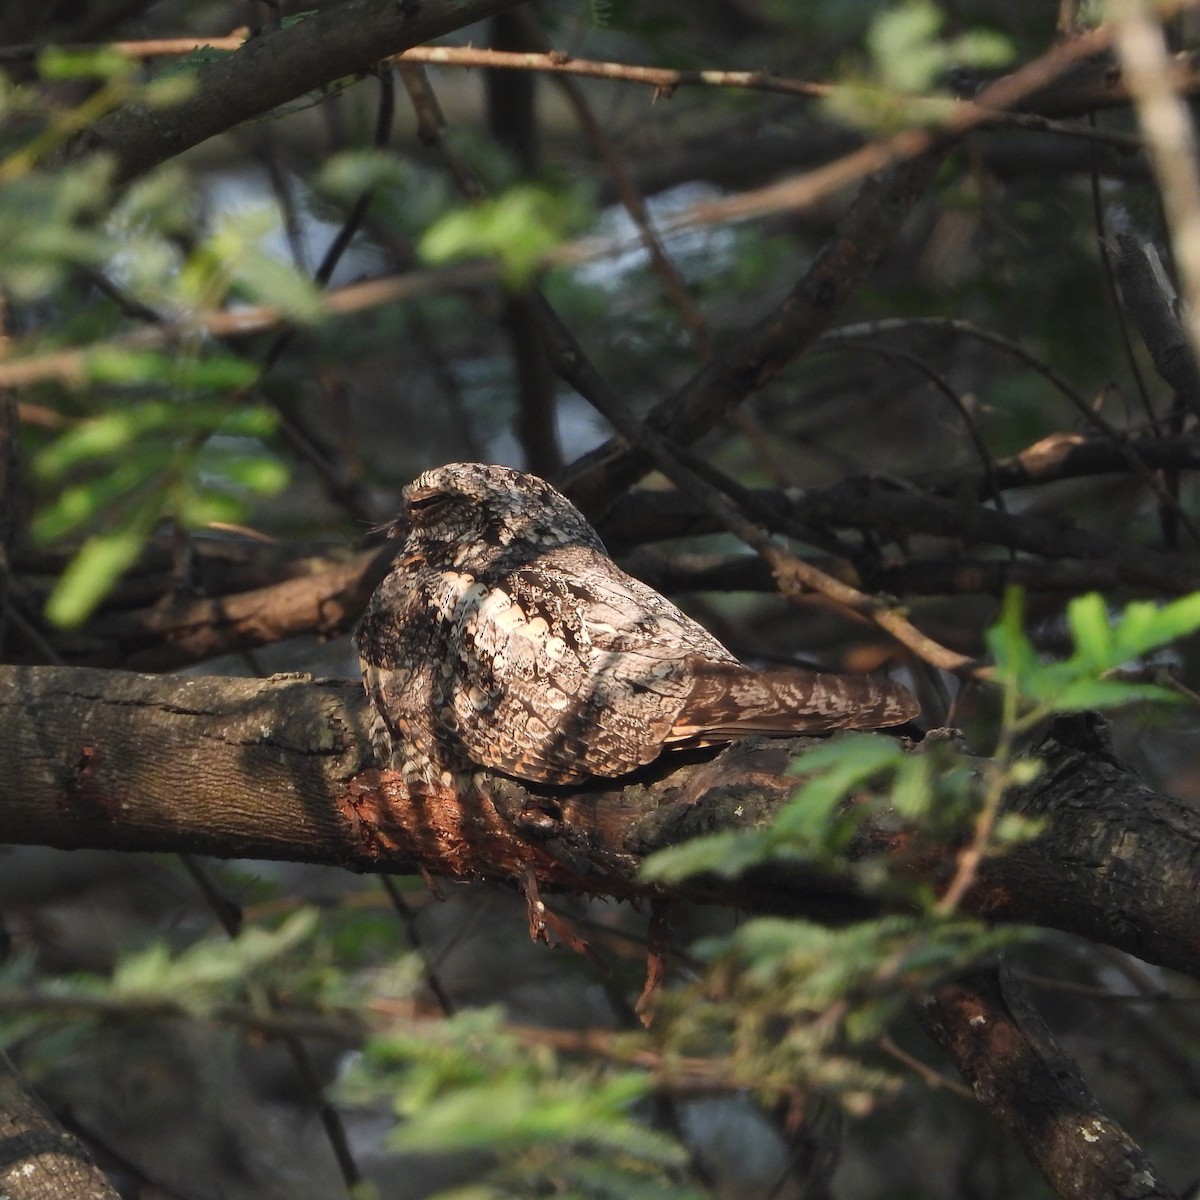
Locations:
(505, 637)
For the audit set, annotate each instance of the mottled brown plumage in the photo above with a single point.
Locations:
(505, 637)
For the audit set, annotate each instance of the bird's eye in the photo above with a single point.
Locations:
(424, 506)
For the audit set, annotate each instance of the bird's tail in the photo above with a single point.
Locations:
(730, 700)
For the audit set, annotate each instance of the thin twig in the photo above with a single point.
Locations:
(1119, 437)
(408, 918)
(302, 439)
(801, 191)
(1110, 280)
(626, 190)
(664, 80)
(933, 1079)
(793, 574)
(986, 461)
(285, 198)
(1069, 986)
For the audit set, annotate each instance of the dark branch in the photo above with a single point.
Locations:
(277, 66)
(1035, 1091)
(889, 508)
(179, 627)
(38, 1158)
(861, 237)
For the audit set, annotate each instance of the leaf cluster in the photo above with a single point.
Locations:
(469, 1084)
(1103, 643)
(794, 1006)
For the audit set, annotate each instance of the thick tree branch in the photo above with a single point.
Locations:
(1035, 1091)
(281, 769)
(890, 508)
(172, 626)
(276, 66)
(39, 1160)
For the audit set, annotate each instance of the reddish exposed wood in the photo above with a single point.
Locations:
(281, 768)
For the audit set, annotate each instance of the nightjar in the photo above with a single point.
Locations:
(505, 637)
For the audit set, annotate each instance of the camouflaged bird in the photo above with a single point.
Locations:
(505, 637)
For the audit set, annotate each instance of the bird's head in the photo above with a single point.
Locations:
(469, 515)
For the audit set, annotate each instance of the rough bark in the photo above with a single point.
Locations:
(39, 1160)
(281, 768)
(1021, 1076)
(274, 67)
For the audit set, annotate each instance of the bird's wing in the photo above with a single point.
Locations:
(729, 700)
(572, 670)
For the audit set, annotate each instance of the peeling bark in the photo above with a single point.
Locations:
(281, 768)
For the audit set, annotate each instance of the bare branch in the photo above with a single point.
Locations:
(1167, 126)
(1021, 1076)
(276, 66)
(181, 629)
(39, 1158)
(896, 508)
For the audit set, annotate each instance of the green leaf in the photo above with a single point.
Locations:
(1088, 619)
(1013, 828)
(121, 429)
(347, 175)
(232, 254)
(78, 505)
(909, 56)
(831, 773)
(1144, 627)
(196, 509)
(982, 48)
(58, 63)
(256, 473)
(1011, 650)
(92, 572)
(811, 824)
(154, 204)
(168, 89)
(204, 973)
(1104, 693)
(99, 437)
(519, 227)
(913, 788)
(901, 43)
(249, 421)
(277, 284)
(726, 854)
(1101, 645)
(108, 363)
